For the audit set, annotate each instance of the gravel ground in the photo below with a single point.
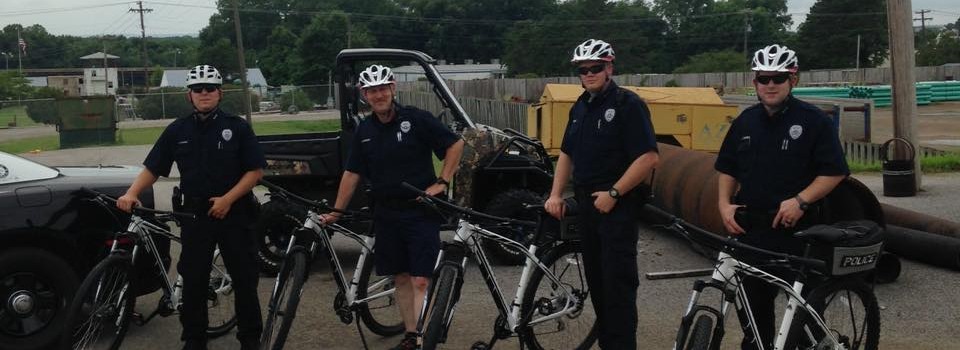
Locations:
(919, 311)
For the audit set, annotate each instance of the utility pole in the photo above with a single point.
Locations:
(106, 77)
(923, 20)
(746, 32)
(143, 46)
(243, 61)
(349, 32)
(902, 61)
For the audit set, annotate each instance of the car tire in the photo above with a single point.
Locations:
(37, 289)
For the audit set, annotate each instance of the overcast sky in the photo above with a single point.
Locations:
(178, 17)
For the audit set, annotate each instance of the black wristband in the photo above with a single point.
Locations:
(441, 181)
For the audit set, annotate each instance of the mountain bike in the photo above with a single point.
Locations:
(103, 307)
(551, 308)
(840, 313)
(372, 300)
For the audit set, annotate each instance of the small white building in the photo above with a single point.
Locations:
(99, 79)
(467, 71)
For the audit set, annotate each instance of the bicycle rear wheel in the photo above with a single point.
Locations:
(381, 314)
(543, 297)
(283, 303)
(849, 309)
(221, 312)
(100, 313)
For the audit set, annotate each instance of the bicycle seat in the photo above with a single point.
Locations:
(850, 233)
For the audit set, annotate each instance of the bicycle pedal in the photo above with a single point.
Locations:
(137, 319)
(479, 345)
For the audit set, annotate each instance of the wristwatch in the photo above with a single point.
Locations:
(614, 193)
(441, 181)
(803, 204)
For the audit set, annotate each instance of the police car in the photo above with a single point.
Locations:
(49, 239)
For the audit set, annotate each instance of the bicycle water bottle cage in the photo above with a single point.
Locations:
(846, 247)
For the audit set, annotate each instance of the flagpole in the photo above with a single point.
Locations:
(19, 51)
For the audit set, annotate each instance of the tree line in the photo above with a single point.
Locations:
(295, 41)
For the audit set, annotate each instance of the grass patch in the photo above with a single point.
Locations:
(147, 136)
(8, 113)
(929, 165)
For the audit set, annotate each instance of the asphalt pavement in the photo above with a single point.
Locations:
(918, 311)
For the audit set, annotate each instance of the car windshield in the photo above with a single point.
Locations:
(14, 169)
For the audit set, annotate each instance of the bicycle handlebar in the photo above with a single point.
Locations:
(465, 211)
(321, 204)
(137, 210)
(731, 242)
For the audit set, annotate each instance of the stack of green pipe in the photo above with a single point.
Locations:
(837, 92)
(943, 90)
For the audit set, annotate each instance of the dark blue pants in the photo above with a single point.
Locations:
(609, 250)
(238, 248)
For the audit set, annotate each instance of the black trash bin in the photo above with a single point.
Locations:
(899, 176)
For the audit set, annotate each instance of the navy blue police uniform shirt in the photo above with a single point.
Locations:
(399, 151)
(774, 158)
(604, 137)
(211, 155)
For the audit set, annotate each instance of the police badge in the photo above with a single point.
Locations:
(609, 114)
(796, 131)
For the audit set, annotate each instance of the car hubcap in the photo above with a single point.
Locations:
(21, 302)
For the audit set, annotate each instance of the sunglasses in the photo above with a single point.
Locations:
(201, 88)
(595, 69)
(777, 79)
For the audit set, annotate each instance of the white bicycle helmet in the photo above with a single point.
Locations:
(593, 50)
(376, 75)
(204, 74)
(775, 58)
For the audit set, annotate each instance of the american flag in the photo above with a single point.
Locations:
(23, 45)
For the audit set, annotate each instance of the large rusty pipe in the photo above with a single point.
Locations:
(923, 246)
(920, 222)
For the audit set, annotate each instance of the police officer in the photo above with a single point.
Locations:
(609, 147)
(219, 161)
(393, 145)
(780, 157)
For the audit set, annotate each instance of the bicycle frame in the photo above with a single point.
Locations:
(468, 235)
(727, 278)
(312, 223)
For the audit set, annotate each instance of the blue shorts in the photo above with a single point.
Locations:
(408, 244)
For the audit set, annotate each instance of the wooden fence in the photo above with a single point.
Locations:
(869, 153)
(495, 113)
(531, 89)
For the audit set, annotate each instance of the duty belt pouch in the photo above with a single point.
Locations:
(176, 200)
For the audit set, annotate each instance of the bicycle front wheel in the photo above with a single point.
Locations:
(283, 303)
(221, 312)
(544, 298)
(100, 313)
(440, 306)
(380, 314)
(850, 312)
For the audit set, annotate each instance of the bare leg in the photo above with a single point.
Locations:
(410, 291)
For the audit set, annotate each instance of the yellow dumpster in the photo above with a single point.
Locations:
(693, 118)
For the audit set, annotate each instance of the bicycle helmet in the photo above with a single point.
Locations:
(204, 74)
(775, 58)
(593, 50)
(376, 75)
